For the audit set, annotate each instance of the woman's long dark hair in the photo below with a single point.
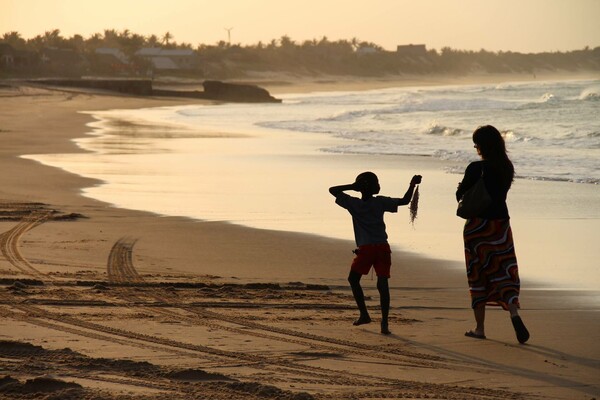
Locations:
(493, 150)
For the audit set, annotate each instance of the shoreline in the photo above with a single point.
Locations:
(353, 84)
(240, 216)
(136, 103)
(168, 246)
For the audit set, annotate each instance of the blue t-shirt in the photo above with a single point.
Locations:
(367, 216)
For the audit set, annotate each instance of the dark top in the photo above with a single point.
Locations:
(498, 191)
(367, 216)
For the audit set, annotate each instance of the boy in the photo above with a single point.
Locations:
(371, 238)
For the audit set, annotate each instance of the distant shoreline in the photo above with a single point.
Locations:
(281, 82)
(348, 83)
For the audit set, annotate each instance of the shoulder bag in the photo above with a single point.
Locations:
(474, 201)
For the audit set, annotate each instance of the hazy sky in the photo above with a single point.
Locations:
(516, 25)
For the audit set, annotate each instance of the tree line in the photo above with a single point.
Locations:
(311, 57)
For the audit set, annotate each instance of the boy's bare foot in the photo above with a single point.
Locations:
(362, 320)
(385, 330)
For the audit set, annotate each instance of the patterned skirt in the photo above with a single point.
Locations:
(492, 269)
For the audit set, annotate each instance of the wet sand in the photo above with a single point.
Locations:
(126, 303)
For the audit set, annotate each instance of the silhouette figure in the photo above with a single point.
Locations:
(371, 238)
(492, 270)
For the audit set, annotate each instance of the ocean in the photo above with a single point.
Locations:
(268, 166)
(552, 128)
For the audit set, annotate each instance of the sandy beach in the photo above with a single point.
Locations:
(103, 302)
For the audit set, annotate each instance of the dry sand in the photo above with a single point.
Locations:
(99, 302)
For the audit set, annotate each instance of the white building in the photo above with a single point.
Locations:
(169, 59)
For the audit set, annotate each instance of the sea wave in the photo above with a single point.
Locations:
(591, 181)
(348, 116)
(453, 155)
(508, 87)
(590, 94)
(373, 149)
(436, 129)
(548, 97)
(514, 137)
(550, 128)
(423, 105)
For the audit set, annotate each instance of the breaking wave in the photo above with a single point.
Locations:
(444, 130)
(590, 94)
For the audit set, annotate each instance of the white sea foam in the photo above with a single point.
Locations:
(536, 120)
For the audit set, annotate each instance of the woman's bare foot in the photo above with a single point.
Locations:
(475, 334)
(362, 320)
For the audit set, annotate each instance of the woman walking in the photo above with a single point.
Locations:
(491, 262)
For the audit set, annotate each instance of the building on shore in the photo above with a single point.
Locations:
(169, 59)
(411, 50)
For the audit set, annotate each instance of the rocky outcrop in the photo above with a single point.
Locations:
(238, 92)
(213, 90)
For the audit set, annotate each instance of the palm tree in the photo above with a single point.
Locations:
(152, 40)
(111, 38)
(76, 42)
(166, 37)
(132, 43)
(94, 41)
(286, 42)
(52, 38)
(14, 39)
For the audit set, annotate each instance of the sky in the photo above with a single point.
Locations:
(527, 26)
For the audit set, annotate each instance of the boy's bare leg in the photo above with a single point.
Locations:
(384, 301)
(359, 297)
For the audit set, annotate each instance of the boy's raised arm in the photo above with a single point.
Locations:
(336, 190)
(411, 188)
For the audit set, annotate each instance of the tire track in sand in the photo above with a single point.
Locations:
(312, 341)
(9, 246)
(120, 262)
(9, 243)
(123, 270)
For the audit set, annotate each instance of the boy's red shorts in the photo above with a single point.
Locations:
(378, 256)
